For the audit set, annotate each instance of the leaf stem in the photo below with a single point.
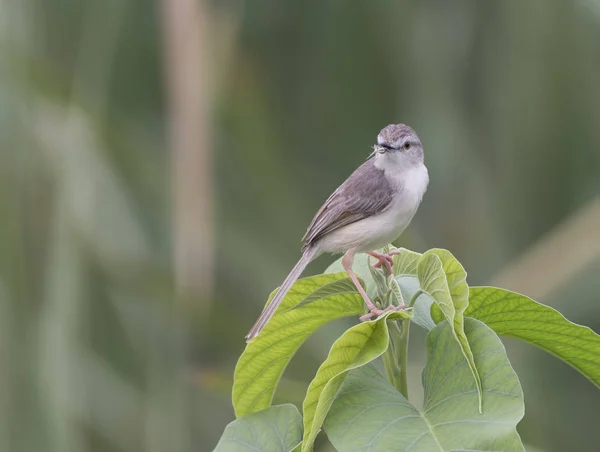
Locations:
(392, 369)
(417, 294)
(395, 358)
(389, 364)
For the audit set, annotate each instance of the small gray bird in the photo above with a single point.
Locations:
(369, 210)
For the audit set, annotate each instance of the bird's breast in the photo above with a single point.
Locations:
(378, 230)
(410, 186)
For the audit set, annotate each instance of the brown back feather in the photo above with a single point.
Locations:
(365, 193)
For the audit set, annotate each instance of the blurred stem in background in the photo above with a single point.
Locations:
(184, 31)
(557, 257)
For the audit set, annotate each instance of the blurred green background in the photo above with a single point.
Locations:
(160, 161)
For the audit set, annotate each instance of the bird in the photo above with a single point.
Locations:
(368, 211)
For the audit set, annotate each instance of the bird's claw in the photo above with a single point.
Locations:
(384, 259)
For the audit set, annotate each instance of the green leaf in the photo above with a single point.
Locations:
(512, 314)
(395, 293)
(264, 359)
(406, 270)
(456, 278)
(444, 278)
(358, 346)
(405, 263)
(422, 312)
(369, 414)
(277, 429)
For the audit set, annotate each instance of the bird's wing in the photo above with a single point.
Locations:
(365, 193)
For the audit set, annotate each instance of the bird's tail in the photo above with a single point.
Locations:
(307, 256)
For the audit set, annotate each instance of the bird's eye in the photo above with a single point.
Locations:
(406, 146)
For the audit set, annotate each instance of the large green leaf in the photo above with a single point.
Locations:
(445, 280)
(358, 346)
(274, 429)
(512, 314)
(369, 414)
(264, 359)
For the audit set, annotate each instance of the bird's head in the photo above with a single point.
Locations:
(398, 143)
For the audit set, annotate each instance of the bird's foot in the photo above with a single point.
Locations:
(384, 259)
(376, 312)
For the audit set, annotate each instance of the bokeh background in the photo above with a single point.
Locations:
(160, 161)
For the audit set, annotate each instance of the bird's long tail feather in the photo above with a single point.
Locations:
(307, 256)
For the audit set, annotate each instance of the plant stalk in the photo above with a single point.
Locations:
(395, 357)
(392, 369)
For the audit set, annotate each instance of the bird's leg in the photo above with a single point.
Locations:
(384, 259)
(374, 311)
(347, 262)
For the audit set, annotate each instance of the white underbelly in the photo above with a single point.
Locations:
(373, 232)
